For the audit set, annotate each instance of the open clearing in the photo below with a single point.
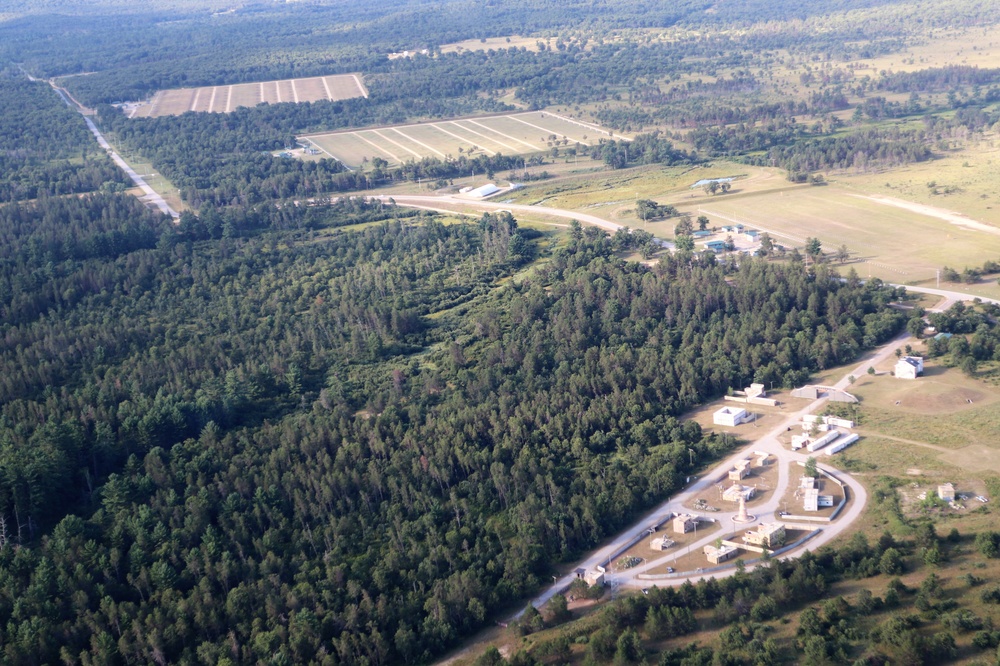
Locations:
(223, 99)
(898, 243)
(512, 134)
(943, 416)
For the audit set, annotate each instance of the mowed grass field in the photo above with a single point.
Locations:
(223, 99)
(885, 239)
(512, 134)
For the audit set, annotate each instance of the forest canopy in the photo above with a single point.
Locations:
(317, 469)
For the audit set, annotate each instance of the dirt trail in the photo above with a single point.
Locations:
(952, 217)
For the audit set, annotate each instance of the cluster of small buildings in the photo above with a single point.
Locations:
(766, 537)
(749, 235)
(819, 431)
(809, 486)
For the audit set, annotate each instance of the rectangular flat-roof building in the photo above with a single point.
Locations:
(722, 554)
(729, 416)
(909, 367)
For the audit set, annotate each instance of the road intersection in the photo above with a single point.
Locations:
(769, 442)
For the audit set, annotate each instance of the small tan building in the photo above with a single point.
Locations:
(769, 535)
(661, 543)
(740, 471)
(946, 491)
(721, 554)
(684, 523)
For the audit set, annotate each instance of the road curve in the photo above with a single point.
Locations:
(951, 296)
(430, 201)
(764, 512)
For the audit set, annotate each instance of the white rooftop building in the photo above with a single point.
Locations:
(909, 367)
(729, 416)
(483, 191)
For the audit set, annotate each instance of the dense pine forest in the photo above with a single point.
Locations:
(45, 147)
(351, 446)
(294, 428)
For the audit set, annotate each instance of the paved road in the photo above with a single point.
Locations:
(950, 296)
(765, 512)
(433, 202)
(149, 193)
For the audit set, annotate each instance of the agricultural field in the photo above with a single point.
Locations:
(512, 134)
(223, 99)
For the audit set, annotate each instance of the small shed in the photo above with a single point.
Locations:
(684, 523)
(909, 367)
(946, 491)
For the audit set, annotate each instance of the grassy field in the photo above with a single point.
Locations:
(514, 134)
(884, 239)
(934, 413)
(223, 99)
(495, 43)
